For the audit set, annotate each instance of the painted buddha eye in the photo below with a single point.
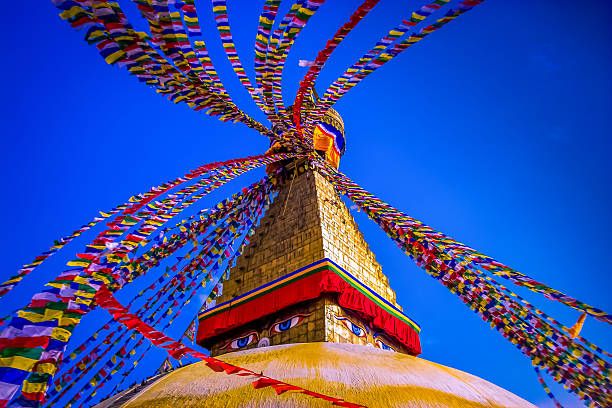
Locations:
(287, 324)
(357, 331)
(242, 341)
(382, 345)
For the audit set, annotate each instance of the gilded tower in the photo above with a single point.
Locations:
(308, 304)
(307, 227)
(289, 285)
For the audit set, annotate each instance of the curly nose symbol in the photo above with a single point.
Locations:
(264, 342)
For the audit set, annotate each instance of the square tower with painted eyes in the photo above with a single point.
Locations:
(308, 275)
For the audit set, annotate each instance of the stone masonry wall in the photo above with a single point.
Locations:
(307, 222)
(344, 244)
(288, 238)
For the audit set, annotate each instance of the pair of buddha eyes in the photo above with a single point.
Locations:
(277, 327)
(361, 332)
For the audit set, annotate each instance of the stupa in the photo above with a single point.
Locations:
(307, 303)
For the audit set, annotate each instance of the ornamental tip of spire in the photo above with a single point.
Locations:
(333, 118)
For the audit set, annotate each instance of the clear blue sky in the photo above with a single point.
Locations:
(494, 130)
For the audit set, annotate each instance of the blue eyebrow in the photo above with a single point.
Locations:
(364, 327)
(289, 318)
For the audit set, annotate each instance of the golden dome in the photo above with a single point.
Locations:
(358, 374)
(331, 116)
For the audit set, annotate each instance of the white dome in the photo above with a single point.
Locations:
(358, 374)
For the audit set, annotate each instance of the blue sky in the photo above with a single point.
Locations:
(494, 130)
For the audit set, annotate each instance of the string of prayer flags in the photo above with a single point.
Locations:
(185, 73)
(144, 309)
(332, 94)
(166, 366)
(224, 235)
(191, 331)
(227, 40)
(546, 389)
(271, 78)
(283, 40)
(549, 346)
(262, 40)
(176, 349)
(139, 236)
(133, 205)
(314, 70)
(109, 326)
(190, 17)
(261, 204)
(377, 57)
(400, 220)
(177, 75)
(48, 321)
